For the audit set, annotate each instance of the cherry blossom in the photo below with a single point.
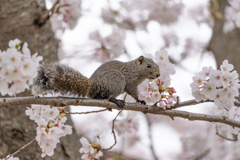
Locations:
(9, 157)
(170, 39)
(226, 67)
(232, 16)
(136, 14)
(161, 56)
(50, 114)
(18, 68)
(164, 11)
(128, 123)
(201, 15)
(90, 150)
(109, 47)
(50, 128)
(64, 15)
(218, 85)
(14, 43)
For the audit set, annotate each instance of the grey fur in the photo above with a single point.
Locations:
(108, 81)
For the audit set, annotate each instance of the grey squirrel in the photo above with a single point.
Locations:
(107, 82)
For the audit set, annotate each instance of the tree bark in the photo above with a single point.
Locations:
(225, 46)
(16, 129)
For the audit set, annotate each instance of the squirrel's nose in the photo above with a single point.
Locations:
(157, 74)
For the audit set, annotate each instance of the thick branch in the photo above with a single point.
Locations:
(65, 101)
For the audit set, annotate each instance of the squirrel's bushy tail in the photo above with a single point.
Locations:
(60, 78)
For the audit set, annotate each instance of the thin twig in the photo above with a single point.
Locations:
(113, 132)
(125, 96)
(43, 17)
(149, 124)
(20, 149)
(234, 137)
(53, 7)
(86, 112)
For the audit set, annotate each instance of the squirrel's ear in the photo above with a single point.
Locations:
(140, 59)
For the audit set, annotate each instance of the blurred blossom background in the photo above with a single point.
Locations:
(194, 34)
(123, 30)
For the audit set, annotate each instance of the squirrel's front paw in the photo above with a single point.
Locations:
(142, 102)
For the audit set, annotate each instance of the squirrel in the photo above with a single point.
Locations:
(107, 82)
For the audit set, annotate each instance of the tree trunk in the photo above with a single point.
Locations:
(225, 46)
(16, 129)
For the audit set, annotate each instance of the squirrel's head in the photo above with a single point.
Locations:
(147, 68)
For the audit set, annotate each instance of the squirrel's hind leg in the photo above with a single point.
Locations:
(118, 102)
(108, 85)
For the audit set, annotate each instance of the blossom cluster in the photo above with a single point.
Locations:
(163, 11)
(129, 123)
(51, 127)
(137, 13)
(110, 47)
(195, 144)
(226, 130)
(158, 90)
(17, 68)
(232, 16)
(218, 85)
(90, 150)
(65, 14)
(222, 87)
(192, 47)
(170, 39)
(201, 14)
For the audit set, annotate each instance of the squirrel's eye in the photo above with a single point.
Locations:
(148, 65)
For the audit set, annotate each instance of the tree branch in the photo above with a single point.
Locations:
(113, 132)
(22, 148)
(65, 101)
(86, 112)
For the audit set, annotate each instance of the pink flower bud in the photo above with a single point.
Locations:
(162, 82)
(162, 104)
(158, 82)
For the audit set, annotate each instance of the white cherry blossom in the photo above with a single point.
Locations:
(17, 68)
(156, 96)
(161, 56)
(220, 86)
(51, 114)
(216, 77)
(9, 157)
(51, 126)
(232, 16)
(198, 96)
(13, 43)
(205, 72)
(226, 67)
